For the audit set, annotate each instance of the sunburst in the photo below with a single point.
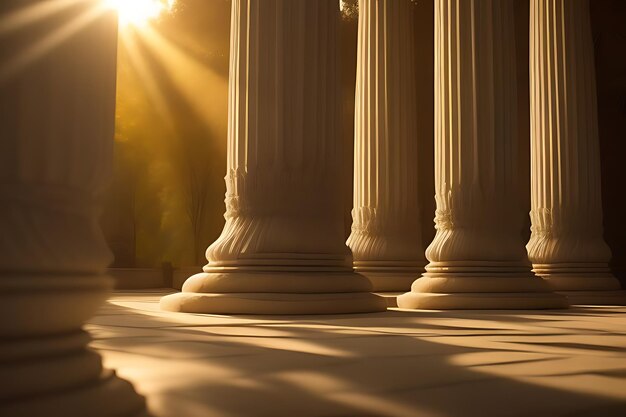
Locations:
(139, 12)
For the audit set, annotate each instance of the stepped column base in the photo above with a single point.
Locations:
(107, 396)
(583, 283)
(47, 368)
(473, 286)
(275, 291)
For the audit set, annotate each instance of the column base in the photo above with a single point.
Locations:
(49, 304)
(464, 287)
(109, 396)
(59, 376)
(391, 276)
(284, 292)
(598, 298)
(482, 301)
(47, 368)
(583, 283)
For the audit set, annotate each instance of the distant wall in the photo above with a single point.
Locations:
(609, 26)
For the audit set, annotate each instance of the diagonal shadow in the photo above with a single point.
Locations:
(360, 365)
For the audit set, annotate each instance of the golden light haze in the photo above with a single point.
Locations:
(139, 12)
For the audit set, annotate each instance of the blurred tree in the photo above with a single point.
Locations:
(166, 199)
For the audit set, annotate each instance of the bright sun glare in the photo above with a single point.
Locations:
(139, 12)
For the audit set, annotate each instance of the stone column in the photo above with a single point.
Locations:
(282, 250)
(477, 259)
(567, 247)
(386, 236)
(57, 107)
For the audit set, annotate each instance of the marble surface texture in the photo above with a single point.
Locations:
(399, 363)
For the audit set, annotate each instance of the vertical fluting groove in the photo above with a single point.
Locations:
(478, 216)
(565, 164)
(283, 198)
(386, 224)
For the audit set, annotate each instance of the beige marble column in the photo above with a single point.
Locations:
(282, 250)
(57, 106)
(386, 239)
(477, 259)
(567, 247)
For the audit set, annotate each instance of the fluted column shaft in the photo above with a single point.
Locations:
(477, 258)
(57, 108)
(567, 245)
(386, 233)
(283, 136)
(284, 213)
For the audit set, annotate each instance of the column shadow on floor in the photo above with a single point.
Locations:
(389, 364)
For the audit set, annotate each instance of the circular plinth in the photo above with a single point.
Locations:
(596, 298)
(583, 283)
(275, 293)
(273, 303)
(482, 301)
(497, 287)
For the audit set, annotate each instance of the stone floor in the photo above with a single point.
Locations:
(399, 363)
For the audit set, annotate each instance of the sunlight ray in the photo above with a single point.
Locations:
(48, 42)
(149, 82)
(139, 12)
(194, 80)
(33, 13)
